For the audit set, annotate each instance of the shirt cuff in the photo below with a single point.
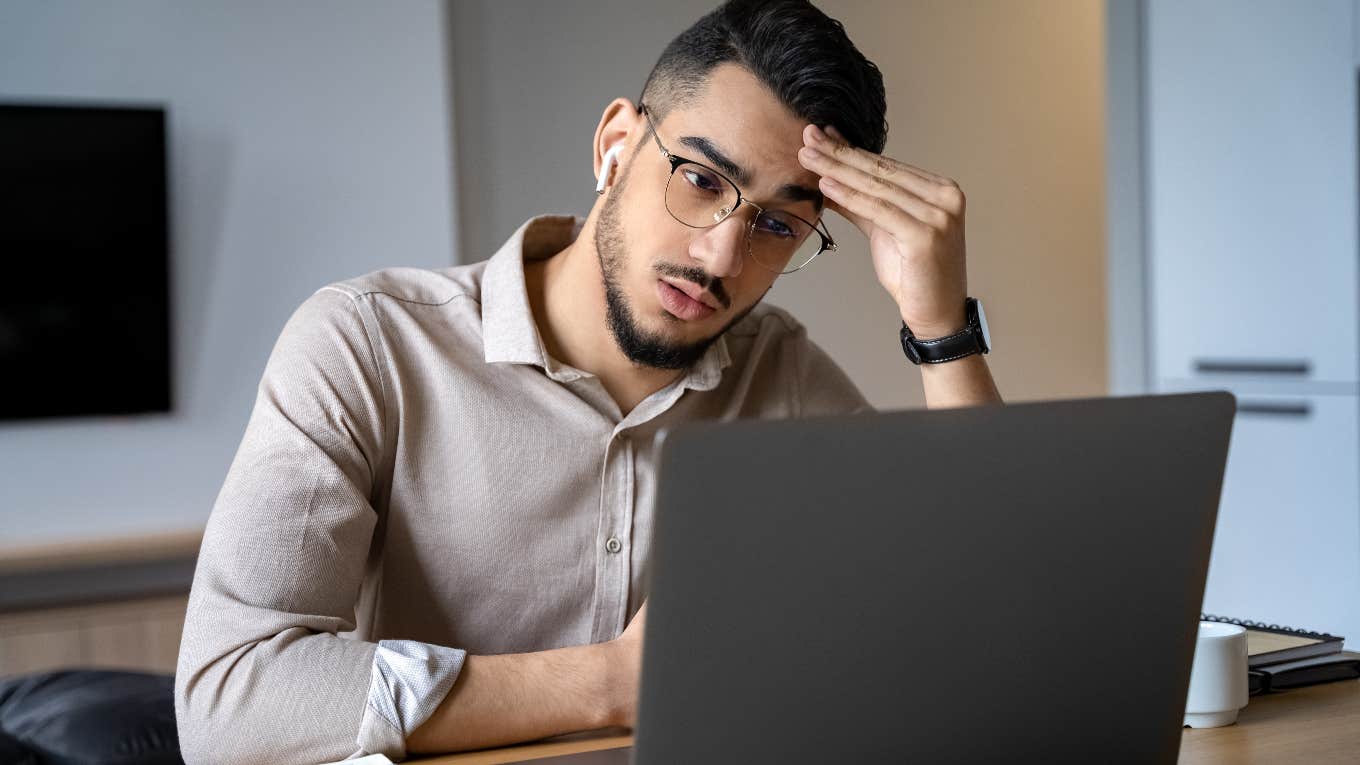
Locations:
(408, 682)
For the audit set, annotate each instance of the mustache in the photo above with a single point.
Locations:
(700, 277)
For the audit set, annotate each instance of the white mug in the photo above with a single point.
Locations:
(1218, 678)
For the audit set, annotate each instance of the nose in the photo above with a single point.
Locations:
(722, 248)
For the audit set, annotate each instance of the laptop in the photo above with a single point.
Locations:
(1013, 584)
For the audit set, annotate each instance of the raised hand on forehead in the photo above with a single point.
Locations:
(913, 220)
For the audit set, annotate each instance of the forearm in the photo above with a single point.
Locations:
(510, 698)
(962, 382)
(296, 696)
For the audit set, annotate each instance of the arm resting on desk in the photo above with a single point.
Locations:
(264, 674)
(507, 699)
(500, 700)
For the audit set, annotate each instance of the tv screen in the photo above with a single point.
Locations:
(85, 309)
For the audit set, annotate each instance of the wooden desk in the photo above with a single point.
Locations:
(1319, 724)
(1314, 725)
(584, 743)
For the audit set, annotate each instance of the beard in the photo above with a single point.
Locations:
(638, 344)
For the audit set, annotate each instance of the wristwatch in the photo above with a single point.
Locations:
(973, 338)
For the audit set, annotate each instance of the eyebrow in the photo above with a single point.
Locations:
(790, 191)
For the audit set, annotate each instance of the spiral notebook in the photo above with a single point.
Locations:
(1271, 643)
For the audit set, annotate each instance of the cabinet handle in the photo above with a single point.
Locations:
(1252, 366)
(1275, 409)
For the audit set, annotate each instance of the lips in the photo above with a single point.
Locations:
(694, 292)
(680, 304)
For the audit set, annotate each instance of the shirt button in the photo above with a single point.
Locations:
(613, 545)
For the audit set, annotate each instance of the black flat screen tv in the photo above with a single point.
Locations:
(85, 304)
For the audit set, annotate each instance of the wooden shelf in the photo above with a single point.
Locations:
(88, 553)
(111, 603)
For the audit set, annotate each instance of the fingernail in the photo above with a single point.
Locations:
(818, 134)
(833, 131)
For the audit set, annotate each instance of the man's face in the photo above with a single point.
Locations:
(650, 260)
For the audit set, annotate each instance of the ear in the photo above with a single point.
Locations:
(621, 124)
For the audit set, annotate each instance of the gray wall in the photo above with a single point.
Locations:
(531, 80)
(1006, 97)
(309, 141)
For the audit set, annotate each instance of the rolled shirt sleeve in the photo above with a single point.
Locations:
(409, 680)
(264, 673)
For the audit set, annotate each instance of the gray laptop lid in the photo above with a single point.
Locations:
(1016, 583)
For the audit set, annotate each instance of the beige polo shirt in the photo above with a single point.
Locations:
(419, 479)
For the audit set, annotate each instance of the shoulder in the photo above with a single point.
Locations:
(344, 316)
(769, 322)
(771, 343)
(413, 286)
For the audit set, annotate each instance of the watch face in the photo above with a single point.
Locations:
(982, 322)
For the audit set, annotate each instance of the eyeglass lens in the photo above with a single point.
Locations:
(777, 240)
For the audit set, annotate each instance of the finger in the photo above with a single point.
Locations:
(938, 190)
(875, 210)
(835, 135)
(854, 219)
(831, 142)
(873, 185)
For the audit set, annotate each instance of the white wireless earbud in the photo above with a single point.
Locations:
(610, 157)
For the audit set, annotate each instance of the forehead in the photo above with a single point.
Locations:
(745, 119)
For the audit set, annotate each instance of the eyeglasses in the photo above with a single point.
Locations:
(700, 197)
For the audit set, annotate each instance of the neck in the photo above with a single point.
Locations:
(566, 294)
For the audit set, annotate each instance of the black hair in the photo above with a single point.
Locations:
(800, 53)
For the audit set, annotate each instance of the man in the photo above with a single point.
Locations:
(455, 467)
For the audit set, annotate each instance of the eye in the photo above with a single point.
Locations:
(772, 225)
(701, 180)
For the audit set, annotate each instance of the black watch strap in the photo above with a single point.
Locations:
(965, 342)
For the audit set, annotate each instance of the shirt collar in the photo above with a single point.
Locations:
(508, 330)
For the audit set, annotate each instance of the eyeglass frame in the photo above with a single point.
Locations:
(676, 161)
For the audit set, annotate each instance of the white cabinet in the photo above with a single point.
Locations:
(1251, 188)
(1287, 545)
(1251, 195)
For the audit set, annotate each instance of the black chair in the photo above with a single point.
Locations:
(88, 717)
